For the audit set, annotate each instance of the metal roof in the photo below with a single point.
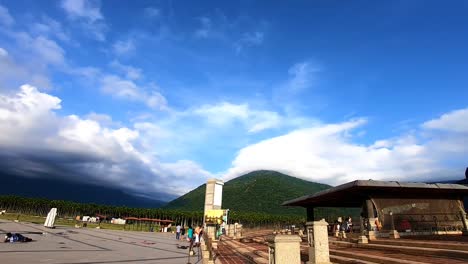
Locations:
(353, 194)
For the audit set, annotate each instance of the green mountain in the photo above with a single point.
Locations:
(258, 191)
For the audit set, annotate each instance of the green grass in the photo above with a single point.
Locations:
(71, 222)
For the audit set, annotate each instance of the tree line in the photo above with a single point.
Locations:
(68, 209)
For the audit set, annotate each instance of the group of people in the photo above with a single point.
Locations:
(345, 226)
(193, 235)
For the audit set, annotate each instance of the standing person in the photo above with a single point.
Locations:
(349, 225)
(182, 232)
(177, 236)
(195, 241)
(223, 228)
(198, 231)
(190, 233)
(200, 235)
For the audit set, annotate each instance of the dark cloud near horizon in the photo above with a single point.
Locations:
(35, 142)
(75, 168)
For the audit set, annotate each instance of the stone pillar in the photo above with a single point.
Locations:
(371, 220)
(205, 253)
(393, 233)
(230, 230)
(370, 215)
(239, 231)
(319, 252)
(464, 222)
(211, 231)
(285, 249)
(310, 214)
(362, 238)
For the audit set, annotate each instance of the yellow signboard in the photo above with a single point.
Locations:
(215, 216)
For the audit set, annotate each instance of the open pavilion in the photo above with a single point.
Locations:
(410, 208)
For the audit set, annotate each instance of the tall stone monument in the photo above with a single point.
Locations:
(214, 194)
(213, 201)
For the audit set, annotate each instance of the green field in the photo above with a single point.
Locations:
(71, 222)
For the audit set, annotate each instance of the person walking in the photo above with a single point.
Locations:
(178, 232)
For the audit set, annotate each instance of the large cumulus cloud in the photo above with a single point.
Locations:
(35, 141)
(328, 153)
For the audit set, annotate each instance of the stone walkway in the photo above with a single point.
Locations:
(66, 245)
(252, 249)
(227, 255)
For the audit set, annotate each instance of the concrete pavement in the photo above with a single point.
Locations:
(68, 245)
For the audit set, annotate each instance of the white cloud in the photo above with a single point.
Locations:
(13, 73)
(326, 153)
(130, 72)
(456, 121)
(225, 113)
(116, 86)
(36, 141)
(86, 9)
(262, 120)
(249, 39)
(302, 76)
(88, 14)
(42, 50)
(253, 38)
(127, 89)
(3, 53)
(48, 50)
(50, 27)
(32, 55)
(100, 118)
(156, 100)
(90, 74)
(5, 17)
(123, 47)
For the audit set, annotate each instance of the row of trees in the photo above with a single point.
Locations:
(68, 209)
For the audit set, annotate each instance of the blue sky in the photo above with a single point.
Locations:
(135, 93)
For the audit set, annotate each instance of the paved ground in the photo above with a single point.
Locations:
(66, 245)
(253, 242)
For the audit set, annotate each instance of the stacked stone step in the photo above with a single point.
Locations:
(423, 251)
(399, 253)
(253, 254)
(423, 244)
(346, 260)
(368, 258)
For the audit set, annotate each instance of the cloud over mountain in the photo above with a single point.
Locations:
(327, 153)
(35, 141)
